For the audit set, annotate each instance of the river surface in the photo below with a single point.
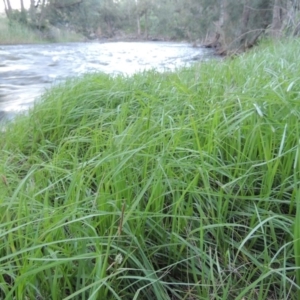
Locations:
(27, 70)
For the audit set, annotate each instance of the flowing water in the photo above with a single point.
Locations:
(27, 70)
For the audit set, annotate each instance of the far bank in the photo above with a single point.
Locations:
(14, 33)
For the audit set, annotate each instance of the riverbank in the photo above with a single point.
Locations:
(157, 186)
(14, 33)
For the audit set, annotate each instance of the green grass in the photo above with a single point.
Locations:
(15, 33)
(179, 185)
(12, 32)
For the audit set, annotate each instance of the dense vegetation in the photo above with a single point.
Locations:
(178, 185)
(12, 32)
(225, 24)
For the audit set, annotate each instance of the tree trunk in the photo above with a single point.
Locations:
(23, 15)
(7, 8)
(245, 16)
(8, 5)
(32, 11)
(22, 6)
(245, 21)
(42, 15)
(223, 13)
(221, 26)
(277, 19)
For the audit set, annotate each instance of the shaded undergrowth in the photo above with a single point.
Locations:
(158, 186)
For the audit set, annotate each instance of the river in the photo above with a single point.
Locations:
(27, 70)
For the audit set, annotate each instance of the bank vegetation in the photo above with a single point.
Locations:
(179, 185)
(230, 26)
(12, 33)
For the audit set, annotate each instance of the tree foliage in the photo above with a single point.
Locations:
(226, 24)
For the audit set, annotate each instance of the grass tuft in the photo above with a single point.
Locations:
(178, 185)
